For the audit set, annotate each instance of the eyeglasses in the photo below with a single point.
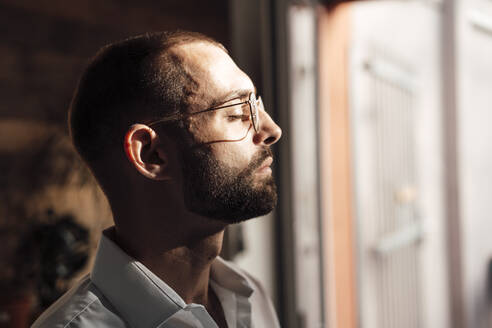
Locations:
(255, 105)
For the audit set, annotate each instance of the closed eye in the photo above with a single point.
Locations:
(238, 117)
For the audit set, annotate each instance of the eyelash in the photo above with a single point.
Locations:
(237, 117)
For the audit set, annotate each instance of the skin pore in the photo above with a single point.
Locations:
(153, 221)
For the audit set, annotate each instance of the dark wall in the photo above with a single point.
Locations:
(44, 45)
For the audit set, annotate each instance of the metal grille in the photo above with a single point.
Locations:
(396, 227)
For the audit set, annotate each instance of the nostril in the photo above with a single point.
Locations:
(269, 140)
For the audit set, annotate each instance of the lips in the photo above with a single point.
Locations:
(265, 166)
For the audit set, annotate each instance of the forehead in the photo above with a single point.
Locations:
(213, 70)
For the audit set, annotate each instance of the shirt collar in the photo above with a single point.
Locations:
(229, 277)
(142, 298)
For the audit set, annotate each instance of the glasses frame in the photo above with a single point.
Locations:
(253, 111)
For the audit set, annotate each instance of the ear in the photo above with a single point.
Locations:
(142, 150)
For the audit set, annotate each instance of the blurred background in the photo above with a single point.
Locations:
(384, 169)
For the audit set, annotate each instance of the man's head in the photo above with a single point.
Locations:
(132, 84)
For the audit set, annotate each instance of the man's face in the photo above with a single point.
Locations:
(226, 180)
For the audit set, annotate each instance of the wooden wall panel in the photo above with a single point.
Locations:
(339, 233)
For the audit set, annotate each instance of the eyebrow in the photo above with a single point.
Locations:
(235, 94)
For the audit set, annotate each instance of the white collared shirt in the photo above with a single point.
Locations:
(122, 292)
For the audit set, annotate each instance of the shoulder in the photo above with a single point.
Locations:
(82, 306)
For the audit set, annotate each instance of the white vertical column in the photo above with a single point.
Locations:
(304, 159)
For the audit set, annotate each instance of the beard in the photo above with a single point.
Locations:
(217, 191)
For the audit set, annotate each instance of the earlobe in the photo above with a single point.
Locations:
(142, 148)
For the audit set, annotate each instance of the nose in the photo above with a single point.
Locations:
(269, 132)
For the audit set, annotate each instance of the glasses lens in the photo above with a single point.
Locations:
(231, 123)
(255, 105)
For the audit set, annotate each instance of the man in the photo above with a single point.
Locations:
(174, 133)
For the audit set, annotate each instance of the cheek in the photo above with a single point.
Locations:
(202, 128)
(208, 128)
(237, 154)
(216, 129)
(234, 154)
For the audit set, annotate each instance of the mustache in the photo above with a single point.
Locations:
(259, 158)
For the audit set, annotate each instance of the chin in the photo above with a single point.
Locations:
(230, 208)
(231, 218)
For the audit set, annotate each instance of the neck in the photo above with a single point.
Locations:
(186, 268)
(176, 253)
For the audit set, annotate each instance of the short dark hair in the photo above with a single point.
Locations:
(126, 82)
